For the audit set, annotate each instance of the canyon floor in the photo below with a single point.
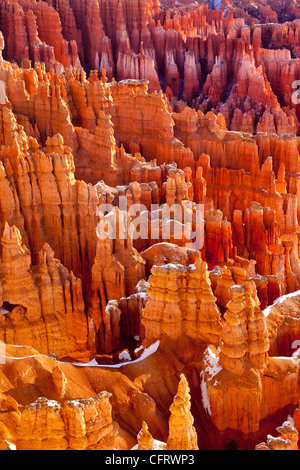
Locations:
(149, 225)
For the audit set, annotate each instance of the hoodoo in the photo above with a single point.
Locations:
(149, 226)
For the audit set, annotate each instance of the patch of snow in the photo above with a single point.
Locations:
(75, 402)
(290, 419)
(291, 360)
(92, 363)
(192, 267)
(147, 352)
(213, 365)
(143, 295)
(204, 391)
(212, 368)
(3, 311)
(51, 403)
(124, 356)
(169, 265)
(158, 445)
(142, 286)
(281, 299)
(10, 445)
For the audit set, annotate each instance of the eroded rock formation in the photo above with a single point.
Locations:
(75, 425)
(149, 224)
(182, 434)
(288, 439)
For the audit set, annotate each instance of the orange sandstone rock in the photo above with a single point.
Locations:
(145, 440)
(46, 424)
(288, 439)
(46, 296)
(182, 434)
(163, 103)
(191, 309)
